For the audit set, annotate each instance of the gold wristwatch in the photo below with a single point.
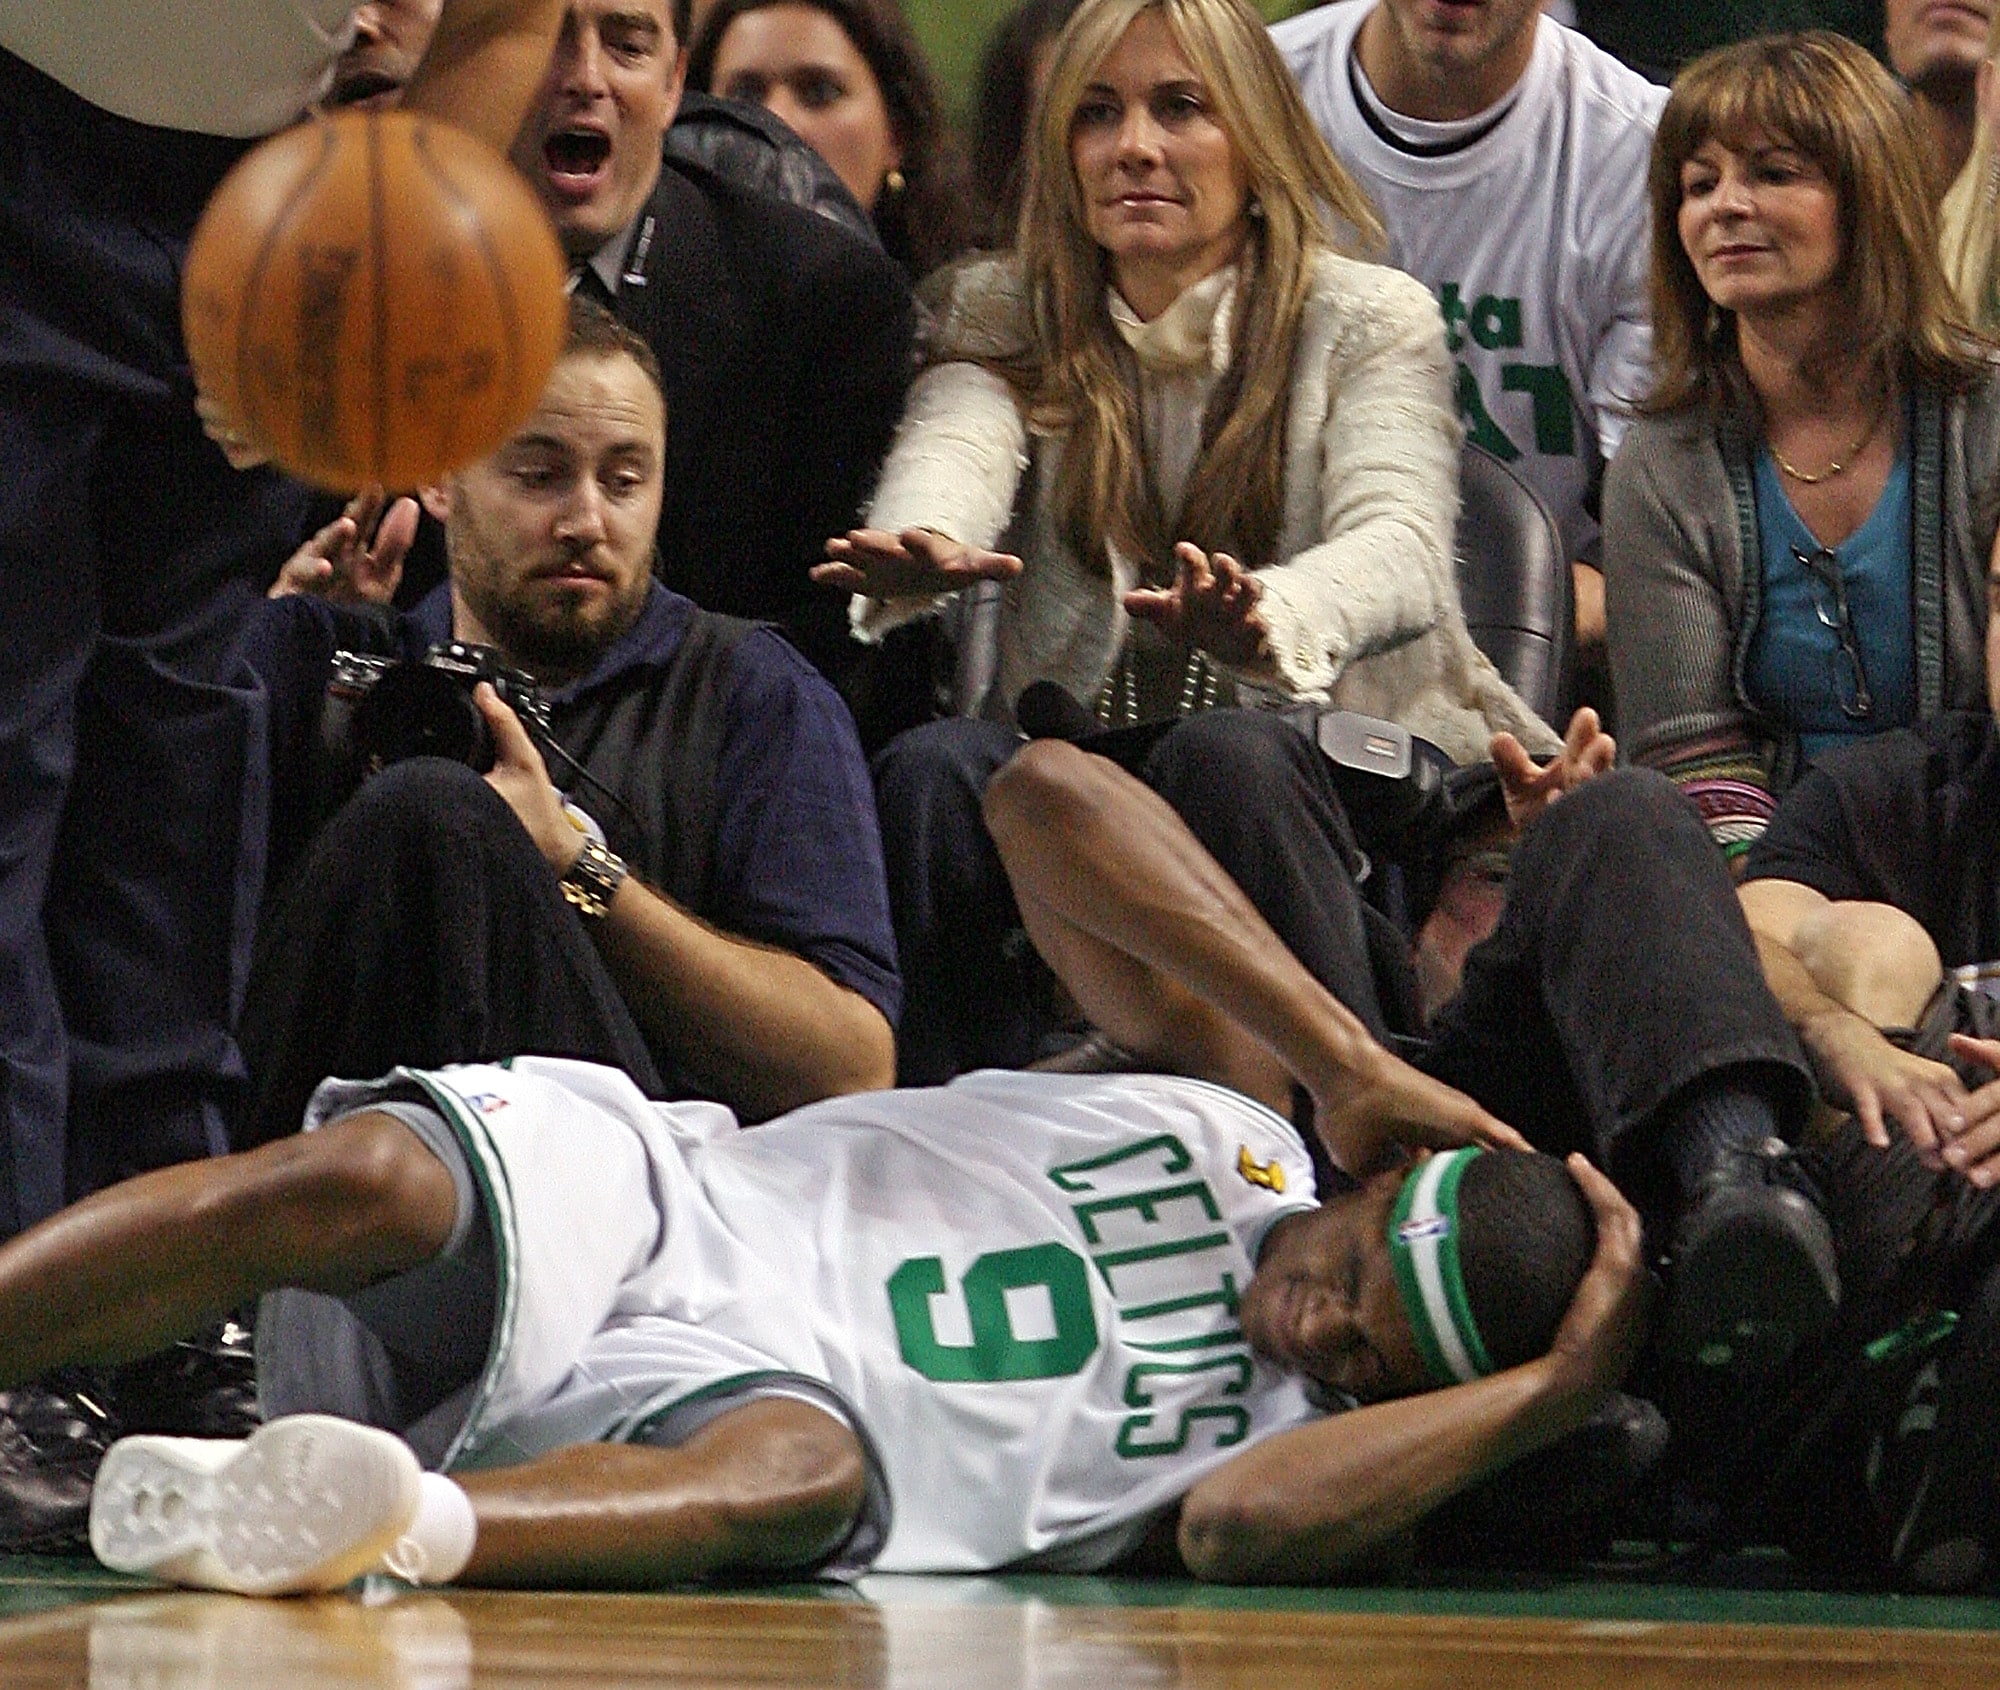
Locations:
(593, 879)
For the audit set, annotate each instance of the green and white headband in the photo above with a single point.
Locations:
(1423, 1245)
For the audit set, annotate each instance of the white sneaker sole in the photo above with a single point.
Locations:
(308, 1502)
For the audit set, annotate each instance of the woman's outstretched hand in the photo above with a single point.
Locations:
(1212, 607)
(917, 563)
(1530, 787)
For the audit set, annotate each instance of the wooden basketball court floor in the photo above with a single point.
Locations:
(62, 1623)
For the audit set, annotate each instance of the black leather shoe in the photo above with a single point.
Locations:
(53, 1434)
(201, 1387)
(1753, 1273)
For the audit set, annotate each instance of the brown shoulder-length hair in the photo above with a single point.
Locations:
(1824, 95)
(1075, 375)
(931, 219)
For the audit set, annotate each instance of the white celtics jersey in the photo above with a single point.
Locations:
(1021, 1287)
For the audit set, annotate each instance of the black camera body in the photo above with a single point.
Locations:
(381, 710)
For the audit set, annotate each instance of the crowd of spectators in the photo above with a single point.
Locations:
(646, 742)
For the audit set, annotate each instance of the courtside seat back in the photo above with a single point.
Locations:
(1514, 581)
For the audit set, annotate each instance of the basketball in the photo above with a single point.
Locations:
(374, 297)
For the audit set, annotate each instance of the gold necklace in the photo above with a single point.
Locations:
(1840, 463)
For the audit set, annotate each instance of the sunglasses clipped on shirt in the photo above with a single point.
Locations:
(1835, 614)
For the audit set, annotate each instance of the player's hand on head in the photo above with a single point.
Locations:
(358, 557)
(1887, 1089)
(1371, 1116)
(1212, 606)
(1601, 1335)
(917, 563)
(521, 777)
(1529, 787)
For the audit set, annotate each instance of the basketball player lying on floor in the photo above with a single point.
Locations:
(1026, 1319)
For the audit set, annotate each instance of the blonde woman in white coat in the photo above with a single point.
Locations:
(1235, 437)
(1241, 455)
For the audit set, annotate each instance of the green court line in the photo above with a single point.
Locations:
(1755, 1596)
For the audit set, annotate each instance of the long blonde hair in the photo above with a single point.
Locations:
(1074, 375)
(1969, 219)
(1822, 94)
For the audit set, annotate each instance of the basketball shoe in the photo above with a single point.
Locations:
(308, 1502)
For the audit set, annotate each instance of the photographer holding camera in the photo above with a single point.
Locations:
(558, 783)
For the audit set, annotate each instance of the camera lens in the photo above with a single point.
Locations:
(415, 711)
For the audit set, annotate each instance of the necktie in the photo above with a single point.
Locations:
(590, 285)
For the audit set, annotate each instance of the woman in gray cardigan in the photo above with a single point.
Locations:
(1797, 530)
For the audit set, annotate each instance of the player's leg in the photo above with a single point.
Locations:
(140, 1263)
(1100, 867)
(310, 1502)
(137, 1264)
(421, 928)
(1261, 798)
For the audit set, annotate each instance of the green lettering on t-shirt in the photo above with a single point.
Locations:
(1224, 1296)
(1174, 1159)
(1139, 1395)
(1496, 323)
(1555, 410)
(1133, 1447)
(1480, 428)
(1146, 1204)
(1455, 315)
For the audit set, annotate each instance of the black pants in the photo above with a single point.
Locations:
(422, 927)
(131, 737)
(1621, 973)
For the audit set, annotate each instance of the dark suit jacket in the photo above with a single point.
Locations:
(785, 344)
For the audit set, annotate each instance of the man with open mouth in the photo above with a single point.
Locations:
(783, 341)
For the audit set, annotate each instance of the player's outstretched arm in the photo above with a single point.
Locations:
(1305, 1505)
(772, 1486)
(1165, 953)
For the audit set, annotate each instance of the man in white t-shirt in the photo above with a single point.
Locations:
(1508, 157)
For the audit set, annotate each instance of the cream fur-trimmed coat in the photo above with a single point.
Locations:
(1363, 610)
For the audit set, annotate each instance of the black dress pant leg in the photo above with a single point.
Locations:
(1622, 973)
(422, 928)
(1259, 796)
